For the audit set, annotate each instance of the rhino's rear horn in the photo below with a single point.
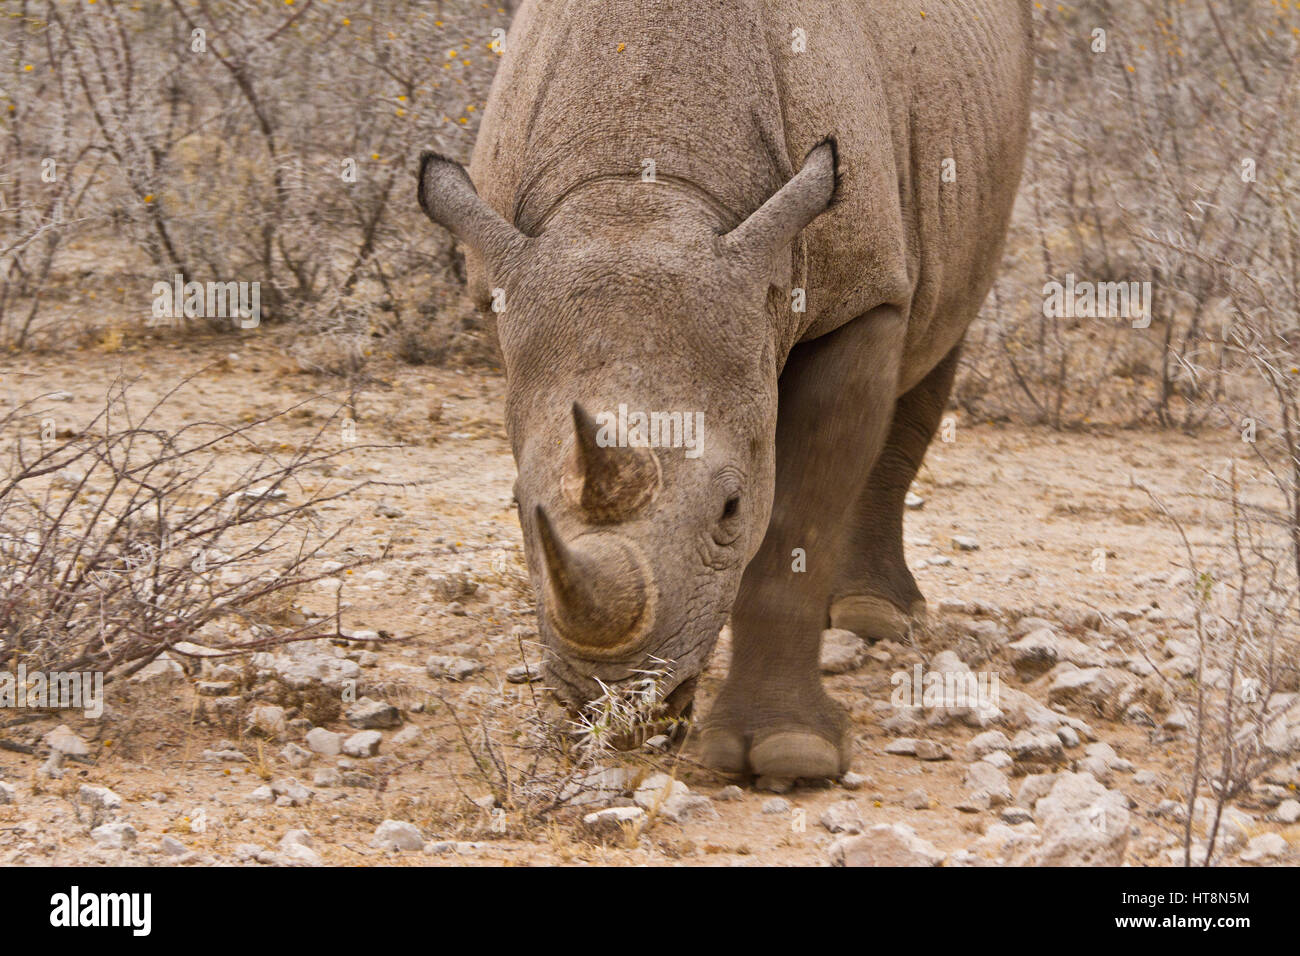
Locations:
(613, 482)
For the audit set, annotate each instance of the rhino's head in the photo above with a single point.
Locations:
(641, 346)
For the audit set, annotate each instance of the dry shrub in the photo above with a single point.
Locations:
(228, 140)
(121, 540)
(1169, 157)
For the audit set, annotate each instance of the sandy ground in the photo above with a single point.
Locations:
(1042, 505)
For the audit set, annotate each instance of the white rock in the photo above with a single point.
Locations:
(524, 673)
(902, 747)
(301, 837)
(161, 671)
(885, 844)
(114, 836)
(407, 735)
(53, 766)
(688, 808)
(295, 756)
(984, 778)
(99, 797)
(305, 666)
(652, 793)
(843, 816)
(1034, 788)
(224, 756)
(247, 851)
(364, 743)
(327, 777)
(998, 758)
(296, 854)
(1008, 842)
(986, 743)
(1042, 649)
(854, 781)
(397, 834)
(62, 739)
(1107, 689)
(613, 820)
(291, 792)
(1083, 823)
(1043, 747)
(267, 720)
(596, 786)
(452, 668)
(841, 651)
(367, 714)
(325, 742)
(916, 800)
(1288, 811)
(1266, 846)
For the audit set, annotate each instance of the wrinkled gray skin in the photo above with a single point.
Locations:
(774, 170)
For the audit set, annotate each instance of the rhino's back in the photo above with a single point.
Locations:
(725, 97)
(912, 88)
(600, 88)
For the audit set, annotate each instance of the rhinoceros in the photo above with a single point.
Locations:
(733, 247)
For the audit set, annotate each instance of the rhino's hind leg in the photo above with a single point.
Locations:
(876, 596)
(772, 717)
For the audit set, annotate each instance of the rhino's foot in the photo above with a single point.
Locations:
(811, 742)
(875, 618)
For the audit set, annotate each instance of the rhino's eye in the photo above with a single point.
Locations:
(727, 529)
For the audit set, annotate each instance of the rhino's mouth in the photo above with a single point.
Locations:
(680, 702)
(669, 717)
(672, 719)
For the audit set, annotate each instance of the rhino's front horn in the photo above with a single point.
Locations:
(597, 598)
(611, 482)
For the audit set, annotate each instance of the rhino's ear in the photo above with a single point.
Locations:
(774, 225)
(448, 198)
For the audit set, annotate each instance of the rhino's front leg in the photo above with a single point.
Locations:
(772, 716)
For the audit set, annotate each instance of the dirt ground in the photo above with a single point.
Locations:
(1043, 507)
